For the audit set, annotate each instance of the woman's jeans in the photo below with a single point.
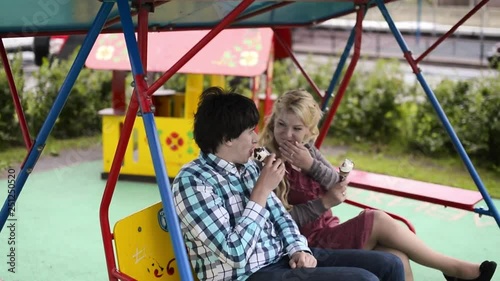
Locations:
(337, 265)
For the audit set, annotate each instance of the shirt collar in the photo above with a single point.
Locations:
(223, 165)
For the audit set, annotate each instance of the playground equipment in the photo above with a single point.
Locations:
(64, 17)
(143, 247)
(236, 52)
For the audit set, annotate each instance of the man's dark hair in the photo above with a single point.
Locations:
(222, 116)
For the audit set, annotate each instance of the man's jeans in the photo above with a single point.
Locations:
(337, 265)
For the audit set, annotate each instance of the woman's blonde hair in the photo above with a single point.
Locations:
(302, 104)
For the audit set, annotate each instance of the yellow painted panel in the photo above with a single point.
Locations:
(170, 105)
(176, 140)
(178, 101)
(163, 105)
(143, 246)
(194, 88)
(111, 133)
(218, 81)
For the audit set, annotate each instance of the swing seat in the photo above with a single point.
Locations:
(143, 246)
(423, 191)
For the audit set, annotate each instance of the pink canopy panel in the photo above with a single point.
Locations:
(239, 52)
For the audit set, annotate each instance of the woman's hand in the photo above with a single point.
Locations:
(296, 154)
(335, 195)
(302, 259)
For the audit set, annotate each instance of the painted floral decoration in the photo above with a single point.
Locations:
(105, 52)
(249, 58)
(245, 54)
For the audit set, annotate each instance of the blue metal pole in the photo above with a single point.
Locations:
(444, 119)
(338, 70)
(340, 66)
(154, 145)
(56, 109)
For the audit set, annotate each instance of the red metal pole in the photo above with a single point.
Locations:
(363, 206)
(453, 29)
(118, 89)
(255, 95)
(107, 236)
(128, 125)
(122, 276)
(294, 59)
(269, 81)
(347, 76)
(142, 39)
(116, 19)
(204, 41)
(142, 34)
(255, 89)
(15, 97)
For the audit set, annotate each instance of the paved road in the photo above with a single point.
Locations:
(457, 50)
(432, 73)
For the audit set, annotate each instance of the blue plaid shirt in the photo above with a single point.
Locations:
(228, 236)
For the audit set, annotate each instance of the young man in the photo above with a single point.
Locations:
(234, 226)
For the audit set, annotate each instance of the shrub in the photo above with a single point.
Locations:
(10, 132)
(79, 117)
(380, 107)
(462, 103)
(369, 109)
(285, 76)
(489, 90)
(320, 71)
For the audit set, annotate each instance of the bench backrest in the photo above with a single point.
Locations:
(143, 246)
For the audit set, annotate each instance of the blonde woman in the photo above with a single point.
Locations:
(311, 188)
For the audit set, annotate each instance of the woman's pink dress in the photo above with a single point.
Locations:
(327, 231)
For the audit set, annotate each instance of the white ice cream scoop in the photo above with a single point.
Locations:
(260, 154)
(345, 168)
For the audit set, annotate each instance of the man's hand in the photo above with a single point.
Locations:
(271, 175)
(302, 259)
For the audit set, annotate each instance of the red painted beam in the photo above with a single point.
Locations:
(15, 97)
(452, 30)
(289, 51)
(363, 206)
(228, 20)
(347, 76)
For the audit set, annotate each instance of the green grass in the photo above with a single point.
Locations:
(380, 159)
(391, 161)
(53, 147)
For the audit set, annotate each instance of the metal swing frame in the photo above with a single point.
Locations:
(141, 102)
